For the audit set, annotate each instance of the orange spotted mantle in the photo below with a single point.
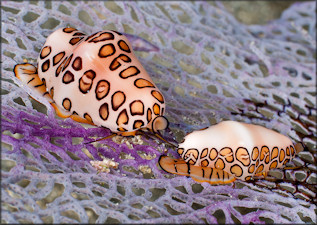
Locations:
(229, 150)
(96, 79)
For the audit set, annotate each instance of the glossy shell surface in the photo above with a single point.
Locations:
(99, 78)
(241, 149)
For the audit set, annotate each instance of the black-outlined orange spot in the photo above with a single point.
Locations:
(255, 153)
(69, 29)
(102, 89)
(67, 62)
(204, 153)
(124, 46)
(85, 82)
(68, 77)
(227, 153)
(236, 170)
(88, 117)
(180, 151)
(75, 40)
(59, 68)
(274, 153)
(58, 57)
(158, 96)
(192, 152)
(129, 72)
(138, 124)
(251, 168)
(104, 111)
(45, 52)
(137, 108)
(115, 64)
(117, 100)
(213, 154)
(102, 37)
(45, 66)
(219, 164)
(149, 115)
(106, 50)
(292, 150)
(259, 169)
(264, 152)
(67, 104)
(77, 63)
(204, 163)
(142, 83)
(122, 118)
(282, 155)
(243, 156)
(273, 164)
(156, 109)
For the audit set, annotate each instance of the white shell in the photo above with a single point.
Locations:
(83, 103)
(235, 135)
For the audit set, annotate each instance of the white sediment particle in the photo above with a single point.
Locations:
(147, 156)
(126, 156)
(145, 169)
(104, 165)
(128, 141)
(137, 140)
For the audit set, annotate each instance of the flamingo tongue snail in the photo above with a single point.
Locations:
(230, 150)
(96, 79)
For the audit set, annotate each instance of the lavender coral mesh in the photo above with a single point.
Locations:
(209, 67)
